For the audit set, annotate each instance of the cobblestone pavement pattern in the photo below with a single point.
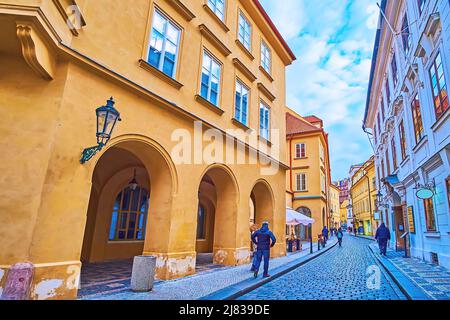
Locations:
(341, 274)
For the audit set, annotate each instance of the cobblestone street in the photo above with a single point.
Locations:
(340, 274)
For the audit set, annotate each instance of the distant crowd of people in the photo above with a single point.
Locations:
(263, 240)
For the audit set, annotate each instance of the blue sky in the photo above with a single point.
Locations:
(333, 41)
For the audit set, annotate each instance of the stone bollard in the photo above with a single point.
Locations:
(18, 282)
(143, 274)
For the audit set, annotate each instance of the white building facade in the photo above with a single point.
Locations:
(407, 115)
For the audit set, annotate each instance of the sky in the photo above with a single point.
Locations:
(333, 41)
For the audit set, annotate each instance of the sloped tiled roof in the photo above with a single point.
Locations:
(296, 125)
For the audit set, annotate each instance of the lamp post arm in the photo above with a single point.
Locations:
(89, 153)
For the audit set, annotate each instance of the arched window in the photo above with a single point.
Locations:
(129, 215)
(201, 223)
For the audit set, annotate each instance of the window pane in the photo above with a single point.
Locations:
(172, 34)
(159, 22)
(168, 67)
(123, 221)
(143, 206)
(126, 199)
(112, 228)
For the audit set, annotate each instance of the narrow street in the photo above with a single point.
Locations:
(340, 274)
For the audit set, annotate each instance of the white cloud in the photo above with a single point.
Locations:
(334, 46)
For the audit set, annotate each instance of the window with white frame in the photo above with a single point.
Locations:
(241, 103)
(300, 150)
(264, 120)
(164, 43)
(210, 87)
(266, 57)
(321, 152)
(301, 184)
(218, 7)
(245, 32)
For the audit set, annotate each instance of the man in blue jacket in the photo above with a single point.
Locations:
(264, 239)
(383, 235)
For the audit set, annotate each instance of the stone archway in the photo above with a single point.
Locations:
(218, 187)
(304, 231)
(113, 204)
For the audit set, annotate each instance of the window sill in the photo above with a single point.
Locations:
(161, 75)
(126, 241)
(301, 158)
(420, 144)
(404, 162)
(238, 123)
(441, 120)
(301, 191)
(209, 105)
(432, 234)
(267, 74)
(265, 140)
(216, 18)
(246, 51)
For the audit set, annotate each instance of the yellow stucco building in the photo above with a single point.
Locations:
(182, 74)
(363, 193)
(308, 179)
(335, 208)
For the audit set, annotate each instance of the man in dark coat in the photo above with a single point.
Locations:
(325, 233)
(264, 239)
(383, 235)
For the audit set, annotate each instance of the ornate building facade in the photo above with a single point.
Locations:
(407, 114)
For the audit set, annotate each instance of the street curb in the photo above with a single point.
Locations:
(365, 237)
(406, 285)
(237, 290)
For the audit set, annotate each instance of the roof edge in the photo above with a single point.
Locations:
(275, 29)
(374, 64)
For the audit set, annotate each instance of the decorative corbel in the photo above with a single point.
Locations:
(35, 50)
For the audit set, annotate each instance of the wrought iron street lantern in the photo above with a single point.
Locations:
(380, 202)
(107, 117)
(133, 183)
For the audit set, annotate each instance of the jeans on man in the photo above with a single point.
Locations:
(259, 256)
(382, 243)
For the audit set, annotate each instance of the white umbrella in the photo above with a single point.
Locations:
(294, 218)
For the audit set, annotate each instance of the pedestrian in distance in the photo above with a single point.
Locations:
(264, 240)
(340, 236)
(325, 233)
(383, 235)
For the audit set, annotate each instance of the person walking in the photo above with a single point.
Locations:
(383, 235)
(325, 233)
(340, 236)
(253, 229)
(264, 240)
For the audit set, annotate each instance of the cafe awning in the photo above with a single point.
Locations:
(294, 218)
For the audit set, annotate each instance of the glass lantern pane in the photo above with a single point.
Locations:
(101, 116)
